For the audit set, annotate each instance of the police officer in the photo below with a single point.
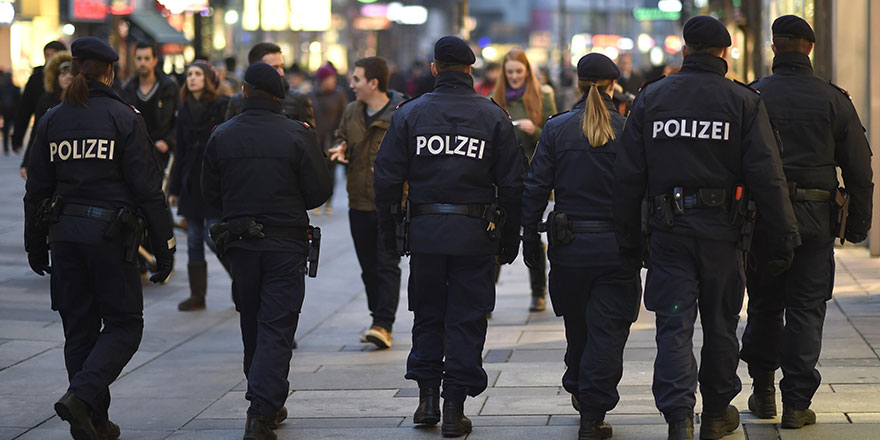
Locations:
(459, 154)
(93, 181)
(272, 172)
(597, 296)
(820, 131)
(697, 144)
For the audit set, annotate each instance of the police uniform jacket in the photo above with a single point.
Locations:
(582, 179)
(820, 131)
(451, 146)
(194, 128)
(261, 164)
(96, 156)
(296, 106)
(698, 130)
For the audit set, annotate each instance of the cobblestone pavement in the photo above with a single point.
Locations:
(185, 382)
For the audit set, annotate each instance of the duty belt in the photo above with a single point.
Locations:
(287, 232)
(471, 210)
(811, 195)
(86, 211)
(584, 226)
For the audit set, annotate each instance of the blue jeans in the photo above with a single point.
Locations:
(196, 236)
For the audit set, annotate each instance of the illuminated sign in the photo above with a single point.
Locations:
(121, 7)
(651, 14)
(7, 12)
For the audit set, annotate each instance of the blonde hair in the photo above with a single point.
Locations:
(596, 123)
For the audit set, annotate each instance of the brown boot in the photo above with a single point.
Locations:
(198, 284)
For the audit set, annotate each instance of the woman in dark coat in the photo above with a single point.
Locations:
(202, 109)
(56, 78)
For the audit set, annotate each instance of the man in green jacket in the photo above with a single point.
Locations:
(361, 131)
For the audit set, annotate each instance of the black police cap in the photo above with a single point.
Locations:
(794, 27)
(453, 50)
(595, 66)
(262, 76)
(704, 30)
(91, 48)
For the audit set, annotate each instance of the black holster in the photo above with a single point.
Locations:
(402, 216)
(48, 213)
(557, 228)
(841, 209)
(314, 250)
(131, 227)
(497, 218)
(242, 228)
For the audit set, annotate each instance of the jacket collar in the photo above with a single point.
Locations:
(792, 62)
(582, 103)
(262, 104)
(455, 82)
(705, 63)
(101, 90)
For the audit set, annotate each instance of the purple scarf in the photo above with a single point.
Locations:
(515, 94)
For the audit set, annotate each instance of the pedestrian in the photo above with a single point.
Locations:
(93, 186)
(821, 132)
(157, 97)
(296, 105)
(519, 92)
(272, 172)
(593, 290)
(696, 147)
(490, 78)
(361, 132)
(10, 98)
(33, 90)
(458, 153)
(201, 110)
(56, 78)
(329, 102)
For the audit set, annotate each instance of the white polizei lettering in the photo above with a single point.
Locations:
(90, 153)
(716, 130)
(431, 143)
(726, 130)
(668, 124)
(102, 148)
(482, 148)
(704, 128)
(694, 129)
(448, 145)
(61, 154)
(684, 132)
(53, 148)
(421, 141)
(658, 126)
(472, 148)
(459, 149)
(112, 145)
(77, 154)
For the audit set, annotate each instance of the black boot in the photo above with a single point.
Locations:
(107, 430)
(455, 424)
(428, 412)
(78, 413)
(762, 402)
(796, 418)
(681, 430)
(714, 425)
(594, 429)
(258, 427)
(280, 416)
(198, 285)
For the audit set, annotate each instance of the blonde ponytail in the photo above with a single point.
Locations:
(597, 122)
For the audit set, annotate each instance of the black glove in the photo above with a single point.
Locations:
(632, 258)
(39, 261)
(532, 252)
(780, 262)
(509, 251)
(164, 267)
(853, 236)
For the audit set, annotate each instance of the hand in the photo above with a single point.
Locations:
(509, 251)
(39, 261)
(162, 146)
(23, 172)
(337, 153)
(780, 262)
(172, 200)
(632, 258)
(532, 252)
(164, 267)
(526, 125)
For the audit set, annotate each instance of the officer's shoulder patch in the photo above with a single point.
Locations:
(747, 86)
(135, 109)
(647, 83)
(403, 103)
(560, 113)
(841, 89)
(499, 106)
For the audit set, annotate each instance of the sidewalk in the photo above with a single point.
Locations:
(185, 382)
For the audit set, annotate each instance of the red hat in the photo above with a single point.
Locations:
(325, 71)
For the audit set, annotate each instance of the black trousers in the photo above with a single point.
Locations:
(687, 275)
(380, 268)
(449, 297)
(786, 316)
(598, 306)
(101, 304)
(268, 288)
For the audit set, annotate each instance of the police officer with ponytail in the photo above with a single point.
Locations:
(94, 189)
(591, 287)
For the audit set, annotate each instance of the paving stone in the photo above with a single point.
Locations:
(867, 431)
